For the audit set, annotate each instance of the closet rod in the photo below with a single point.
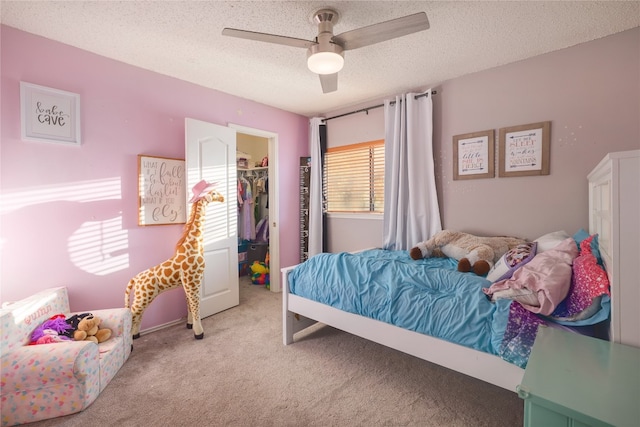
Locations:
(366, 110)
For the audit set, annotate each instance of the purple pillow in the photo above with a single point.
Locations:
(512, 260)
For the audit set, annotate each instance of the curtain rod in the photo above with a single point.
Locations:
(366, 110)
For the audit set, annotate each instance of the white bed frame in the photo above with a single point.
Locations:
(300, 313)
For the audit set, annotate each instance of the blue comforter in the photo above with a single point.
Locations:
(427, 296)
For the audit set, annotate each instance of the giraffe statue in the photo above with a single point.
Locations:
(185, 268)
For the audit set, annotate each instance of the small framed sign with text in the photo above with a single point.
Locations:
(524, 150)
(49, 115)
(473, 155)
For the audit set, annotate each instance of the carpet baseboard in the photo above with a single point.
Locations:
(163, 326)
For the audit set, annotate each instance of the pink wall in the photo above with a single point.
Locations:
(69, 214)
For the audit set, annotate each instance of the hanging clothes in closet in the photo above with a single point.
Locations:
(262, 196)
(253, 203)
(262, 208)
(246, 218)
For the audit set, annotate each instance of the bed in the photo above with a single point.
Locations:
(306, 300)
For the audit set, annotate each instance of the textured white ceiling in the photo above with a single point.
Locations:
(183, 39)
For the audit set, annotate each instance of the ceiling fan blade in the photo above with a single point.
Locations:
(382, 31)
(269, 38)
(329, 82)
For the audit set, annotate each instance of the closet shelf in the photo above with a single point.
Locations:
(254, 168)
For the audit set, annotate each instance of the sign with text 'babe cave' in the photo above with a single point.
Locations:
(49, 115)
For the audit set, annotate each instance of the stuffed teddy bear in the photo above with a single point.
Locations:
(477, 254)
(89, 330)
(72, 323)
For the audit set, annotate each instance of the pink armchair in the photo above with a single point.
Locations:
(52, 380)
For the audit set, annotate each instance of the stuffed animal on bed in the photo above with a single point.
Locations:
(474, 253)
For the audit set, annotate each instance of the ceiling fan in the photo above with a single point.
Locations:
(325, 55)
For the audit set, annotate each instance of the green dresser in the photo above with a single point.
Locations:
(574, 380)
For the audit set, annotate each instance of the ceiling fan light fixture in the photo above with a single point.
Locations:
(325, 62)
(324, 54)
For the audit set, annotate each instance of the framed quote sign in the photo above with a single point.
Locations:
(473, 155)
(524, 150)
(49, 115)
(161, 191)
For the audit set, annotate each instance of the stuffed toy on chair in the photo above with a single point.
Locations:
(55, 329)
(474, 253)
(89, 330)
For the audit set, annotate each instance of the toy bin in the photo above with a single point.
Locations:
(257, 251)
(243, 263)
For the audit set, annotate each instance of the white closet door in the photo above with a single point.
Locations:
(211, 155)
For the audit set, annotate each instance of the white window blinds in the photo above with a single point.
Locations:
(354, 178)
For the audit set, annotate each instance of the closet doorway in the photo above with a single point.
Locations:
(255, 145)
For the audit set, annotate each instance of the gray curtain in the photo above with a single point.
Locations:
(315, 189)
(411, 210)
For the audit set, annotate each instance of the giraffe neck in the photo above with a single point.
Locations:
(194, 228)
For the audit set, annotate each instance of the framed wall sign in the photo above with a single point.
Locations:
(161, 191)
(524, 150)
(473, 155)
(49, 115)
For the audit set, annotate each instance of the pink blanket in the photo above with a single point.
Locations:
(548, 274)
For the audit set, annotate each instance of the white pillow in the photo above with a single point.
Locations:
(550, 240)
(524, 296)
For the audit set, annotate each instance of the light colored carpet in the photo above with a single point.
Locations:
(241, 374)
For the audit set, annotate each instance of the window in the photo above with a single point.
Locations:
(354, 178)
